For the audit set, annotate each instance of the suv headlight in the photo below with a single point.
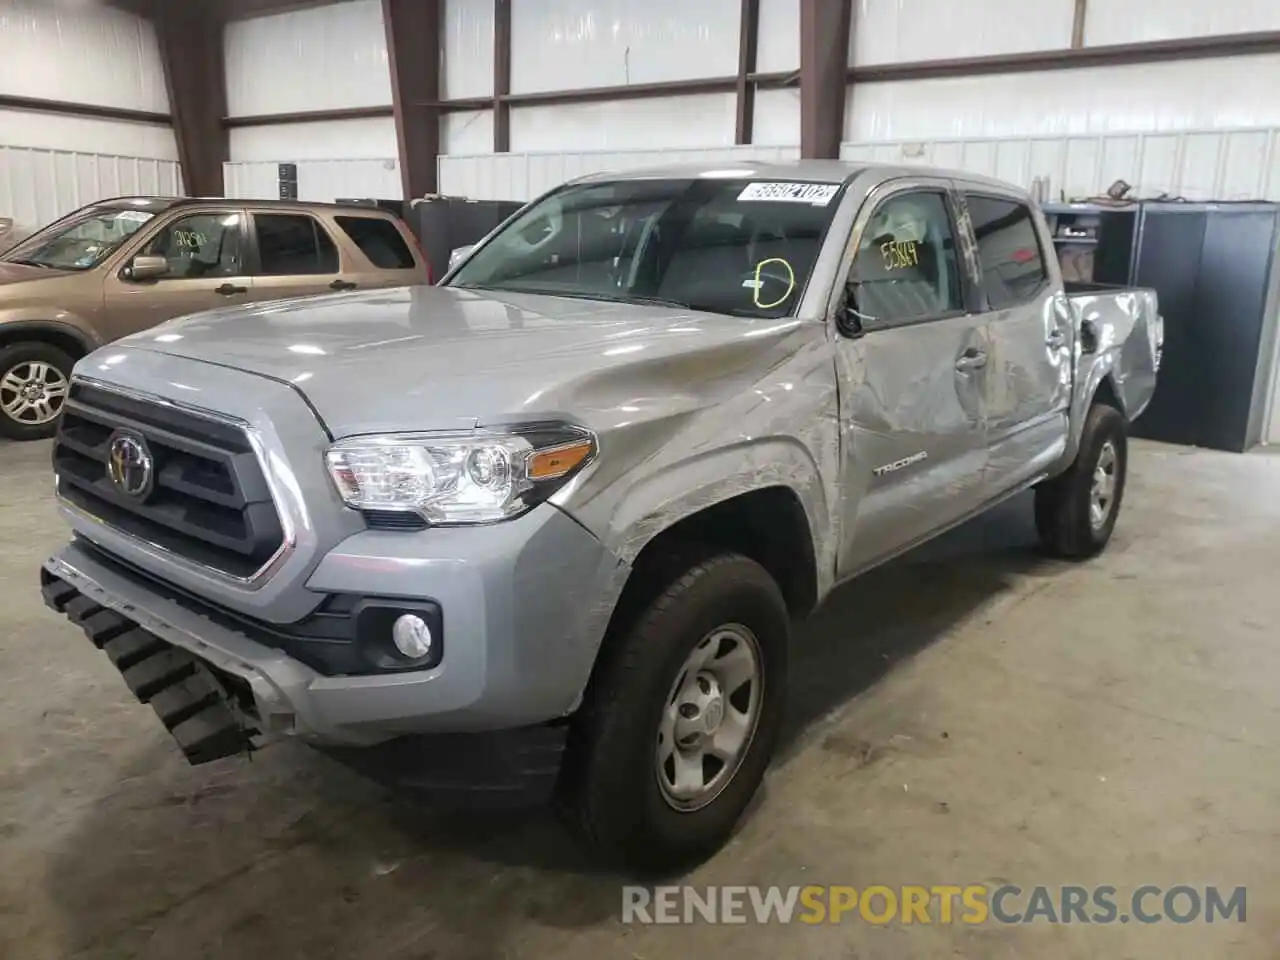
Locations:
(457, 478)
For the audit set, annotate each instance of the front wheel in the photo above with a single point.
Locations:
(681, 718)
(1077, 511)
(34, 382)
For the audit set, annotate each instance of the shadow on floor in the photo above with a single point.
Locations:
(292, 855)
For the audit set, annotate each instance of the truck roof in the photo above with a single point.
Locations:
(803, 171)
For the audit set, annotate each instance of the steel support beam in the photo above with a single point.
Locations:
(748, 43)
(1078, 19)
(190, 39)
(413, 48)
(501, 75)
(824, 55)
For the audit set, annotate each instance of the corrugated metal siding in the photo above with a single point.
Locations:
(1157, 98)
(567, 44)
(320, 59)
(1195, 164)
(701, 120)
(1131, 21)
(468, 48)
(891, 31)
(51, 131)
(372, 138)
(318, 180)
(467, 132)
(778, 36)
(522, 176)
(84, 53)
(37, 186)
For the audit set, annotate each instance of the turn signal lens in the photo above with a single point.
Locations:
(557, 461)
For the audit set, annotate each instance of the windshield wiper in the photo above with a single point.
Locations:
(584, 295)
(31, 263)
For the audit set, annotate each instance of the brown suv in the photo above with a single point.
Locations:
(123, 265)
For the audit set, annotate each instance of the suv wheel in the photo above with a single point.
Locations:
(34, 382)
(1076, 512)
(681, 718)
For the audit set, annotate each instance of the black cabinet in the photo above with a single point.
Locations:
(1212, 266)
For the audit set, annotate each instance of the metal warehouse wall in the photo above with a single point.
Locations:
(325, 58)
(1198, 129)
(567, 44)
(50, 164)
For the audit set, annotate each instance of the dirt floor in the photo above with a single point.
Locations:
(971, 714)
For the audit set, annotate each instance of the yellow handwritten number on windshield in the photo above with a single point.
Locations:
(755, 287)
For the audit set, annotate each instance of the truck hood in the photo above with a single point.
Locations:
(11, 273)
(421, 358)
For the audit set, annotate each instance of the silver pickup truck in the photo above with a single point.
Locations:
(543, 529)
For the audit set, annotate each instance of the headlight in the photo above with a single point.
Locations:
(450, 478)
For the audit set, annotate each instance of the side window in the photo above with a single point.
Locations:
(201, 245)
(1012, 265)
(379, 240)
(292, 244)
(906, 266)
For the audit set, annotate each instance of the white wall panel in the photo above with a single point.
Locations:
(700, 120)
(37, 186)
(80, 52)
(370, 138)
(321, 181)
(24, 128)
(777, 118)
(522, 176)
(325, 58)
(567, 44)
(1132, 21)
(1158, 97)
(343, 158)
(468, 48)
(467, 132)
(1194, 164)
(892, 31)
(778, 36)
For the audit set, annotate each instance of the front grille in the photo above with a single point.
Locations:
(209, 503)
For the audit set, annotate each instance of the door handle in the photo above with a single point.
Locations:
(229, 289)
(342, 285)
(971, 359)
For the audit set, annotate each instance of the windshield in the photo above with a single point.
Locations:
(82, 243)
(723, 245)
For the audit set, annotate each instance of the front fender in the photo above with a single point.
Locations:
(686, 487)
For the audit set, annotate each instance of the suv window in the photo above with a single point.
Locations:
(906, 266)
(379, 240)
(291, 244)
(1009, 250)
(199, 246)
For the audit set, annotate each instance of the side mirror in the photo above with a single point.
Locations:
(458, 254)
(147, 268)
(849, 321)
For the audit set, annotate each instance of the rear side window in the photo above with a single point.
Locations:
(379, 240)
(1009, 250)
(293, 244)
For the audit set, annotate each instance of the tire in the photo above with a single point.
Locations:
(1065, 520)
(612, 790)
(19, 363)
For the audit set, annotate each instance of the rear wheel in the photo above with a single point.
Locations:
(34, 382)
(681, 718)
(1077, 511)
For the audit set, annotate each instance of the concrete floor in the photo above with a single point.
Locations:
(971, 714)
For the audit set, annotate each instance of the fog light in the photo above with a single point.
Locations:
(412, 636)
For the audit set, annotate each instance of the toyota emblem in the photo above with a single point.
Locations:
(130, 466)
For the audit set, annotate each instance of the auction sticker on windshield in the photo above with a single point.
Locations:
(816, 194)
